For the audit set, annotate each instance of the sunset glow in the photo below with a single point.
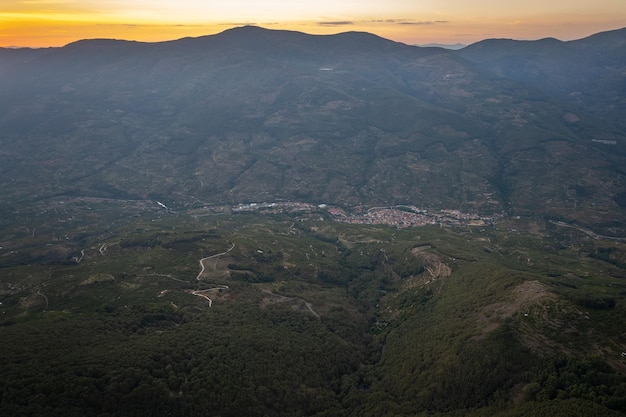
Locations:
(40, 23)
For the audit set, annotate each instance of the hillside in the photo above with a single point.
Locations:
(258, 115)
(270, 223)
(587, 73)
(145, 312)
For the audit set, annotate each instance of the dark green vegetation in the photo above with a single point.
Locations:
(307, 317)
(114, 305)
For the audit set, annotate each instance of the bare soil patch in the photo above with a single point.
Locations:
(524, 298)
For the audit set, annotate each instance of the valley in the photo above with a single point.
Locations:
(270, 223)
(395, 298)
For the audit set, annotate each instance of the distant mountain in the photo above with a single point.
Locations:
(453, 46)
(589, 73)
(524, 128)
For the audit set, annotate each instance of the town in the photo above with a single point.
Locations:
(399, 216)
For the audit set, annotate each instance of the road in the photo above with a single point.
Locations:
(588, 232)
(308, 305)
(202, 267)
(217, 287)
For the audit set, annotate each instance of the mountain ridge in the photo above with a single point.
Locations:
(587, 72)
(270, 223)
(222, 114)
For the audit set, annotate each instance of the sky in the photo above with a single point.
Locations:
(43, 23)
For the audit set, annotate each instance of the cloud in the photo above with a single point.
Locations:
(336, 23)
(422, 23)
(238, 24)
(410, 22)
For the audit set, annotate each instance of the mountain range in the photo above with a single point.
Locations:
(270, 223)
(530, 128)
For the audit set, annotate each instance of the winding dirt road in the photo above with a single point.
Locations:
(217, 287)
(202, 267)
(200, 293)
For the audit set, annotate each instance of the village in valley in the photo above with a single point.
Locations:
(400, 216)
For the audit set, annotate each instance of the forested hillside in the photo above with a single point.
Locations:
(254, 314)
(269, 223)
(257, 115)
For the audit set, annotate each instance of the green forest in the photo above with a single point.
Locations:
(293, 315)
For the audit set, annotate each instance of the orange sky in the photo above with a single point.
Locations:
(37, 23)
